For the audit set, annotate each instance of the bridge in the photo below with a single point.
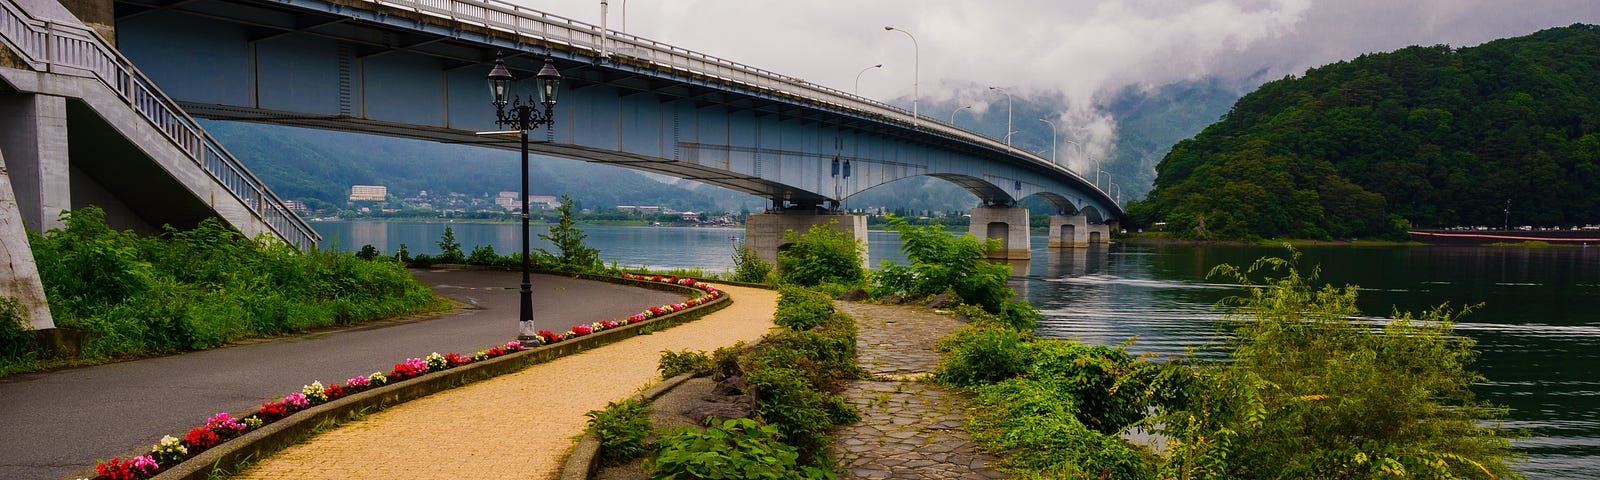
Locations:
(415, 68)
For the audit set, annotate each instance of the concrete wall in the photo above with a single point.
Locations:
(1008, 223)
(33, 134)
(764, 232)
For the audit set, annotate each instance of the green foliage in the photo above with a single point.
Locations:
(205, 287)
(794, 374)
(484, 255)
(1425, 136)
(749, 267)
(1308, 391)
(568, 239)
(738, 448)
(401, 254)
(622, 428)
(449, 248)
(942, 262)
(801, 309)
(673, 363)
(821, 255)
(16, 336)
(984, 355)
(1040, 426)
(368, 252)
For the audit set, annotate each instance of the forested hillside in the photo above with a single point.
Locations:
(1424, 136)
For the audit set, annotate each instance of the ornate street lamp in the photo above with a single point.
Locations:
(521, 118)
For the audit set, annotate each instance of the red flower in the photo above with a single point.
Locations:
(333, 391)
(201, 437)
(273, 410)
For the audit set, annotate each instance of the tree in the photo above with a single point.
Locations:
(449, 248)
(821, 255)
(568, 239)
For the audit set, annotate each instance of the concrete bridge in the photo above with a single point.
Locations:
(415, 68)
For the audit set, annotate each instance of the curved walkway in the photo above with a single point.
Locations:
(520, 425)
(908, 429)
(71, 417)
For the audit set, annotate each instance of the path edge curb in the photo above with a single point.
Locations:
(300, 425)
(584, 459)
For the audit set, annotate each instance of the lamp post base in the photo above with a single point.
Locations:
(528, 334)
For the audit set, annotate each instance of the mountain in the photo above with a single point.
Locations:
(319, 166)
(1427, 136)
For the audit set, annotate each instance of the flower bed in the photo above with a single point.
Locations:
(222, 427)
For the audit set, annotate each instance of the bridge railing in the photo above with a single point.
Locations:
(75, 50)
(515, 19)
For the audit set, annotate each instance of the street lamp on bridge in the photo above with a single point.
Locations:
(916, 70)
(1052, 139)
(952, 121)
(522, 117)
(858, 77)
(1008, 113)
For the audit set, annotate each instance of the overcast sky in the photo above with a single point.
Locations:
(1072, 49)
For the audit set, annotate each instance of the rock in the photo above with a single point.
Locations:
(892, 300)
(731, 386)
(854, 295)
(940, 301)
(721, 409)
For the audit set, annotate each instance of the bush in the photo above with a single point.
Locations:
(449, 248)
(622, 428)
(1107, 383)
(1310, 391)
(794, 373)
(821, 255)
(368, 252)
(484, 255)
(16, 335)
(943, 262)
(673, 363)
(1039, 426)
(801, 309)
(205, 287)
(738, 448)
(984, 355)
(749, 267)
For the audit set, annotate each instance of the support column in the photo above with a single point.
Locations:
(764, 232)
(19, 276)
(1069, 231)
(1009, 224)
(1099, 233)
(33, 135)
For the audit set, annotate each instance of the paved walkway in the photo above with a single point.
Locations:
(908, 429)
(520, 425)
(72, 417)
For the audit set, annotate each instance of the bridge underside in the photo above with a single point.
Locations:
(358, 66)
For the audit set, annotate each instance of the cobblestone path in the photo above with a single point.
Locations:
(908, 429)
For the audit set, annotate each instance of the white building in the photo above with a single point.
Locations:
(368, 193)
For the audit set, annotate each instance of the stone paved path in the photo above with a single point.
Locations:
(908, 429)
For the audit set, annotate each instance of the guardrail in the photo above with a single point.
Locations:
(510, 18)
(76, 50)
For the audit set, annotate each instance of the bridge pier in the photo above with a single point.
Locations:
(1075, 231)
(19, 275)
(1009, 224)
(33, 135)
(764, 232)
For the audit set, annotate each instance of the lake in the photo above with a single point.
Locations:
(1538, 329)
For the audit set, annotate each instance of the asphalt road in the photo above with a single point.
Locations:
(56, 423)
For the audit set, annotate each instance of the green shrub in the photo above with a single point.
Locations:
(1310, 391)
(205, 287)
(622, 428)
(738, 448)
(368, 252)
(801, 309)
(749, 267)
(673, 363)
(984, 355)
(821, 255)
(16, 335)
(942, 262)
(794, 404)
(1107, 383)
(1038, 426)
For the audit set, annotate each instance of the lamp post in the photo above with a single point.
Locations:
(958, 110)
(1052, 139)
(523, 117)
(858, 77)
(916, 70)
(1008, 113)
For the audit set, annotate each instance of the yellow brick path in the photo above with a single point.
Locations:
(520, 425)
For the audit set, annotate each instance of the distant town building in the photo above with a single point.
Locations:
(642, 210)
(507, 200)
(294, 205)
(543, 202)
(368, 193)
(690, 216)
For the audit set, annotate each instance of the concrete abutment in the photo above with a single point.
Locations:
(1075, 231)
(764, 232)
(1009, 225)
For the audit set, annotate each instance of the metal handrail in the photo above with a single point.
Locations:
(510, 18)
(76, 50)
